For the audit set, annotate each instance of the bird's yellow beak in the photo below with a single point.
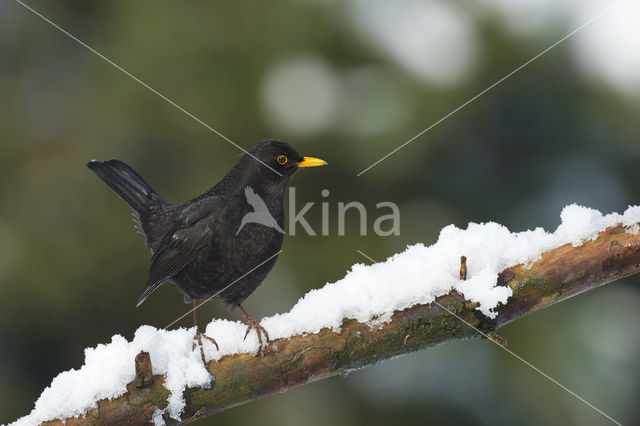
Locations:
(311, 162)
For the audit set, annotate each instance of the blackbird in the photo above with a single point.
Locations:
(222, 243)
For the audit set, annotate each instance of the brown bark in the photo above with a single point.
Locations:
(560, 274)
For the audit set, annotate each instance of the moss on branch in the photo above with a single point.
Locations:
(559, 274)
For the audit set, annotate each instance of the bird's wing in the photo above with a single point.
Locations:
(195, 230)
(249, 192)
(255, 201)
(153, 226)
(261, 214)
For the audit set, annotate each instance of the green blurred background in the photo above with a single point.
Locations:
(347, 81)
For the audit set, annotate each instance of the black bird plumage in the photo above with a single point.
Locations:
(194, 244)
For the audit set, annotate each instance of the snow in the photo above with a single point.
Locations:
(369, 294)
(109, 367)
(157, 418)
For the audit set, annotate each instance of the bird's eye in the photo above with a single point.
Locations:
(281, 159)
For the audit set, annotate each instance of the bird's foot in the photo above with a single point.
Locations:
(198, 339)
(212, 340)
(259, 331)
(252, 324)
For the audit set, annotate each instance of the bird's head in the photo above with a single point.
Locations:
(281, 158)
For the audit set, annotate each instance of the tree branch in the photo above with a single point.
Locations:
(560, 274)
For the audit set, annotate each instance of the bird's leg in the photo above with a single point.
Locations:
(199, 335)
(252, 324)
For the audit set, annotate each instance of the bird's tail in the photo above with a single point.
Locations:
(127, 183)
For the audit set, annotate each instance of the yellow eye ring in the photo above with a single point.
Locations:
(281, 159)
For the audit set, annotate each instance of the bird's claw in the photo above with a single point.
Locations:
(198, 339)
(212, 340)
(259, 331)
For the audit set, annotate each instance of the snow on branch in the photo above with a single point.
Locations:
(376, 312)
